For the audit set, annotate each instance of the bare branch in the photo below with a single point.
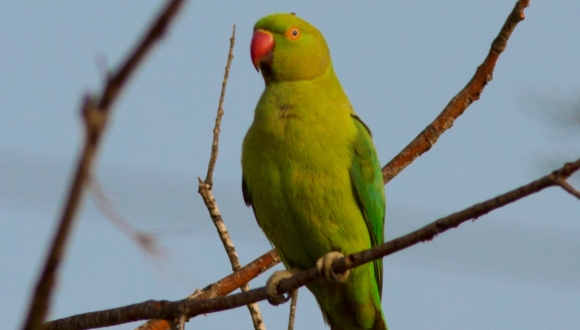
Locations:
(146, 241)
(220, 288)
(245, 274)
(182, 320)
(216, 217)
(191, 308)
(220, 113)
(293, 302)
(459, 103)
(95, 115)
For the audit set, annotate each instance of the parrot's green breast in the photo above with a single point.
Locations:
(299, 182)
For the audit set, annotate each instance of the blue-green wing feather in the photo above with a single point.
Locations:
(367, 181)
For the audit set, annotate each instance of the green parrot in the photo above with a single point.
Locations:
(311, 172)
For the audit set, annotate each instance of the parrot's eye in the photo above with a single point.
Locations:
(293, 33)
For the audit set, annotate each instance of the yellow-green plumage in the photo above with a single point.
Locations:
(311, 173)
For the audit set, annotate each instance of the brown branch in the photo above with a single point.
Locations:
(95, 115)
(193, 307)
(220, 113)
(293, 302)
(459, 103)
(220, 288)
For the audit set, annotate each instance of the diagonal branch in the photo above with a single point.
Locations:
(218, 289)
(459, 103)
(193, 307)
(95, 114)
(222, 287)
(146, 241)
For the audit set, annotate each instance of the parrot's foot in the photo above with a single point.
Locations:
(324, 265)
(272, 286)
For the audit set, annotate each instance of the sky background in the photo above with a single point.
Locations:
(399, 62)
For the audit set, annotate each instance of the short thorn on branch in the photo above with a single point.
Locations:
(568, 187)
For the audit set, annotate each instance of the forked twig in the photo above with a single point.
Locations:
(205, 190)
(95, 114)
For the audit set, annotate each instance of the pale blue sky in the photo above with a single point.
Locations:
(399, 62)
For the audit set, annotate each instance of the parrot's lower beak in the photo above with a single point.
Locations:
(261, 47)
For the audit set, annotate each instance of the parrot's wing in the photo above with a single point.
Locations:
(246, 193)
(248, 198)
(367, 182)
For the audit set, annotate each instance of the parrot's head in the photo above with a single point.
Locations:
(287, 48)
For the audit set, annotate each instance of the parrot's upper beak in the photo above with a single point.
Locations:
(261, 47)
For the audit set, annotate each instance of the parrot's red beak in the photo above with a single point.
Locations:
(261, 47)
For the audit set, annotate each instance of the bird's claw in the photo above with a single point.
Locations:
(272, 286)
(324, 265)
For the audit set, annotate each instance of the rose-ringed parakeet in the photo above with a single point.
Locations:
(311, 172)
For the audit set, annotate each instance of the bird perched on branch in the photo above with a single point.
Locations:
(311, 172)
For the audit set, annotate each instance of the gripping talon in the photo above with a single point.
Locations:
(272, 286)
(324, 265)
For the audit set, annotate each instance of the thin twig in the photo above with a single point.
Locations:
(146, 241)
(293, 302)
(95, 115)
(459, 103)
(214, 212)
(182, 320)
(220, 113)
(193, 307)
(568, 187)
(209, 200)
(216, 217)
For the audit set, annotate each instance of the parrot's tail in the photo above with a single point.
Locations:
(353, 305)
(379, 323)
